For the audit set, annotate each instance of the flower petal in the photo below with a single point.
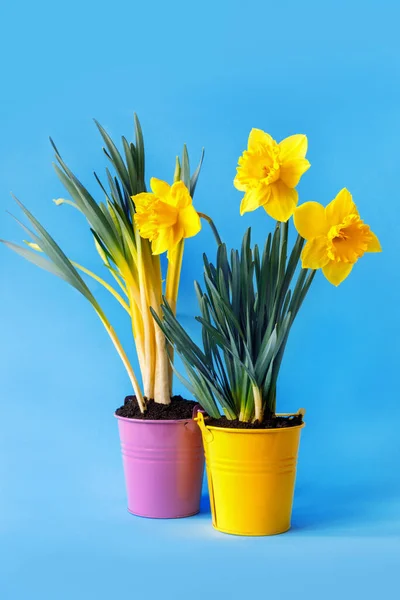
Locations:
(159, 188)
(282, 201)
(294, 146)
(342, 206)
(314, 254)
(143, 199)
(189, 220)
(162, 242)
(336, 272)
(254, 198)
(374, 245)
(258, 137)
(172, 253)
(179, 195)
(292, 170)
(176, 235)
(309, 220)
(238, 183)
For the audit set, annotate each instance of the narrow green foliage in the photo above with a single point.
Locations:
(247, 310)
(125, 255)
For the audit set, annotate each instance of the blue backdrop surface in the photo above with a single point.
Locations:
(201, 73)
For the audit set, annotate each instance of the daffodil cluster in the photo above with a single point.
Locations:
(268, 173)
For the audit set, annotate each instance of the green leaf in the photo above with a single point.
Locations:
(195, 176)
(185, 170)
(115, 157)
(130, 161)
(38, 260)
(140, 160)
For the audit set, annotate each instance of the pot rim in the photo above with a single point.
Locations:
(153, 421)
(270, 430)
(242, 430)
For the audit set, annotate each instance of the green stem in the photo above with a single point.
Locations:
(213, 227)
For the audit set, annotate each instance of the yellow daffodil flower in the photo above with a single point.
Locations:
(166, 215)
(268, 172)
(336, 236)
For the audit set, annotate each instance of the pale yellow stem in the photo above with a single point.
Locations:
(148, 321)
(118, 280)
(175, 257)
(171, 293)
(162, 393)
(258, 408)
(125, 360)
(108, 287)
(137, 331)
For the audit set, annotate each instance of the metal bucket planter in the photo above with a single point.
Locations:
(163, 465)
(251, 476)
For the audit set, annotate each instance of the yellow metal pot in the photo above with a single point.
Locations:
(251, 475)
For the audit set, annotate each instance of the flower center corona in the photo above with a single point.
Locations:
(154, 215)
(348, 241)
(271, 173)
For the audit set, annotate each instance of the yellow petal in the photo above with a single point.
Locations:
(143, 199)
(167, 238)
(294, 146)
(172, 255)
(292, 170)
(341, 207)
(239, 185)
(310, 221)
(162, 242)
(166, 214)
(179, 195)
(314, 254)
(258, 137)
(254, 198)
(282, 201)
(176, 235)
(336, 272)
(159, 187)
(189, 221)
(374, 245)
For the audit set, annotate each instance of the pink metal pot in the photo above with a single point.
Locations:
(163, 464)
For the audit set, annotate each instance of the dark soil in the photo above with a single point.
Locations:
(268, 423)
(178, 409)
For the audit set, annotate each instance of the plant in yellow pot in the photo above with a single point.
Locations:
(249, 303)
(131, 227)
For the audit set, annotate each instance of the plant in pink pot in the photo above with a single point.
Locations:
(131, 227)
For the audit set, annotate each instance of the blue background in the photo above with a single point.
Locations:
(201, 73)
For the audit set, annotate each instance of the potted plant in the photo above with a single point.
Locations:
(250, 301)
(131, 228)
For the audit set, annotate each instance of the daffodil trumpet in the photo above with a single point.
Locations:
(336, 236)
(268, 173)
(131, 228)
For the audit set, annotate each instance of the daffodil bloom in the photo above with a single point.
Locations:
(336, 236)
(166, 215)
(268, 172)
